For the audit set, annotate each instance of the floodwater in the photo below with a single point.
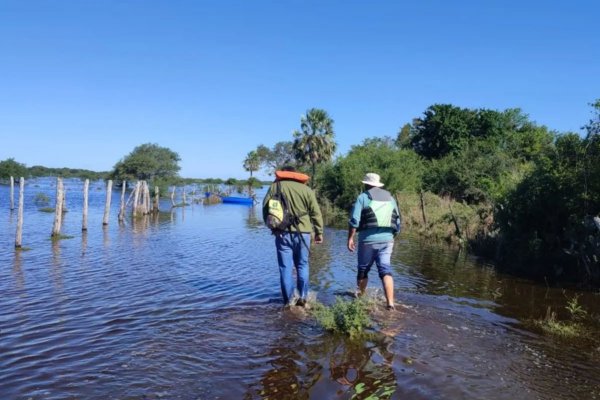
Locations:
(187, 306)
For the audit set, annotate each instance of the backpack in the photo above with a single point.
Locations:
(279, 215)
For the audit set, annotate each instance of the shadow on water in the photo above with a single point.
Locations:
(186, 304)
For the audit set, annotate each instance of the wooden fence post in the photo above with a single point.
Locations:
(107, 203)
(84, 221)
(136, 199)
(122, 205)
(19, 236)
(147, 197)
(12, 193)
(156, 199)
(58, 208)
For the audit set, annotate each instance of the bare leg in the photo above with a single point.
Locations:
(362, 286)
(388, 288)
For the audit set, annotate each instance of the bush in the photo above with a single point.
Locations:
(345, 317)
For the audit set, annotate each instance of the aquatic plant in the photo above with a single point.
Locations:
(346, 317)
(577, 312)
(551, 325)
(41, 199)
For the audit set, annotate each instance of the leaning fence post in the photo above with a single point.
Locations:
(12, 193)
(19, 236)
(84, 222)
(58, 208)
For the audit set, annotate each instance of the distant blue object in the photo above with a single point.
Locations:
(207, 194)
(238, 200)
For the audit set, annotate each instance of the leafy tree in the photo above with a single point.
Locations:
(314, 143)
(252, 162)
(400, 170)
(280, 155)
(443, 129)
(147, 162)
(10, 167)
(403, 138)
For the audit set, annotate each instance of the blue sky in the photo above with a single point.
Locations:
(84, 82)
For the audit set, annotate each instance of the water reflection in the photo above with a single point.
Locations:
(179, 307)
(253, 222)
(18, 270)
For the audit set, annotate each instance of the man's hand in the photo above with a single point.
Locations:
(318, 239)
(351, 245)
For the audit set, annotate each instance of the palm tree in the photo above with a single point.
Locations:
(315, 143)
(252, 162)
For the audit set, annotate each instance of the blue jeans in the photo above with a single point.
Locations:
(292, 253)
(380, 253)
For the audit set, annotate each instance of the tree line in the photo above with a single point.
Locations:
(541, 187)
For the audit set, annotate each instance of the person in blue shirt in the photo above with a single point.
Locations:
(376, 218)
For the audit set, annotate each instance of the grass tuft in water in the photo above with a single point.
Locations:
(46, 209)
(60, 237)
(565, 329)
(347, 317)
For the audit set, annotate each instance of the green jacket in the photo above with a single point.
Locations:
(302, 202)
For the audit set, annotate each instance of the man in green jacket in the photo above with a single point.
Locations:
(293, 242)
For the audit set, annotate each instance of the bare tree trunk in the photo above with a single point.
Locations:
(58, 210)
(86, 188)
(173, 197)
(122, 205)
(12, 193)
(183, 195)
(107, 202)
(423, 208)
(19, 236)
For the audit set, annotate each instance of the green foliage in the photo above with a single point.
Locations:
(10, 167)
(41, 199)
(314, 144)
(281, 154)
(252, 162)
(400, 170)
(40, 171)
(349, 318)
(547, 221)
(575, 309)
(147, 162)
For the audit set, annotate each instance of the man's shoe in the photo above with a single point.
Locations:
(301, 303)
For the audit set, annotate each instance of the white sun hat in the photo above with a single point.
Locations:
(372, 179)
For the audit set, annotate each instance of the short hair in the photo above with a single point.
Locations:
(288, 168)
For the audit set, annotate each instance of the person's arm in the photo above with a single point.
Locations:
(351, 232)
(354, 223)
(314, 211)
(265, 207)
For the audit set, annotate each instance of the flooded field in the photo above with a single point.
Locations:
(187, 306)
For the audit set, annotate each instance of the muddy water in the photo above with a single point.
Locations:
(187, 305)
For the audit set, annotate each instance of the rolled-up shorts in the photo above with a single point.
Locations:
(379, 253)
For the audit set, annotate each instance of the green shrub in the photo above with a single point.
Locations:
(345, 317)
